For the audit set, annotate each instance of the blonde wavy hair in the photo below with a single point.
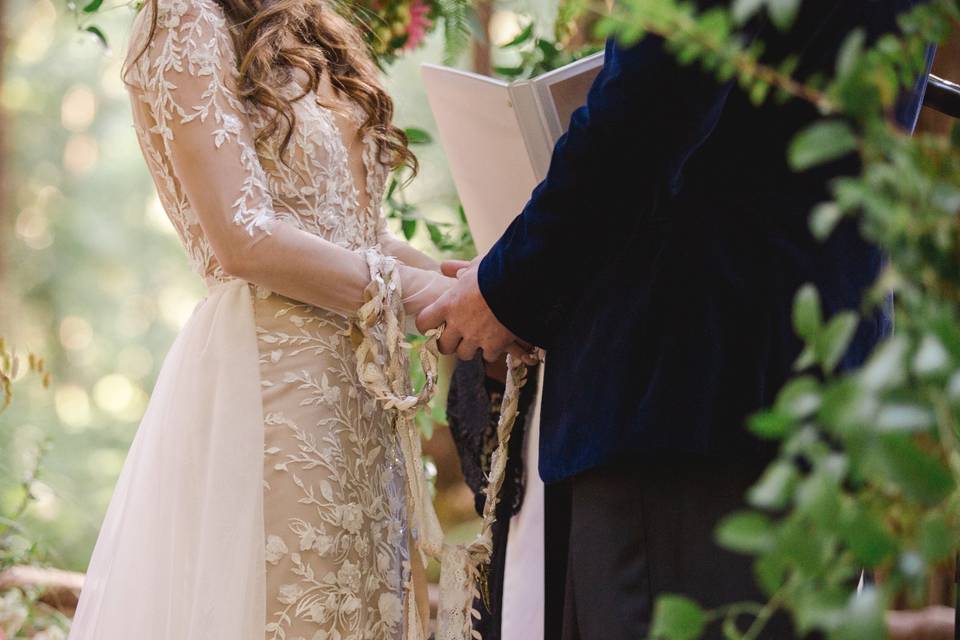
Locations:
(272, 38)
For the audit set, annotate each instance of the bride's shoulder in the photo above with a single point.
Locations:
(175, 12)
(197, 30)
(176, 15)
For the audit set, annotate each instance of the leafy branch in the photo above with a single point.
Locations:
(710, 38)
(869, 464)
(20, 608)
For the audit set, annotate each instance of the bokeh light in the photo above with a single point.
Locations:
(73, 406)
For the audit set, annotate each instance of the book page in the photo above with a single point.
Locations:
(569, 94)
(563, 91)
(488, 158)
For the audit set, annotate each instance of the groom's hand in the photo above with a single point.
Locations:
(471, 324)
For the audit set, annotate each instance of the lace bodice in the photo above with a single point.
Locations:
(183, 91)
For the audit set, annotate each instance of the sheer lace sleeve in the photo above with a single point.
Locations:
(184, 87)
(187, 77)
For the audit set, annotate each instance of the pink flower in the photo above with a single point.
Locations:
(419, 24)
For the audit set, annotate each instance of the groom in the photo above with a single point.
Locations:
(657, 264)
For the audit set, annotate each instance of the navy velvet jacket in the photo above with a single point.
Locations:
(658, 261)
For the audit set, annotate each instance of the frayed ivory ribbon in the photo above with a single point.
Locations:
(382, 362)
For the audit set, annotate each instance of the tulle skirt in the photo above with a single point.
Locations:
(181, 551)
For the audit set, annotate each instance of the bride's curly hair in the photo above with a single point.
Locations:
(272, 38)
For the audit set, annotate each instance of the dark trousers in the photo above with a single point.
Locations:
(642, 529)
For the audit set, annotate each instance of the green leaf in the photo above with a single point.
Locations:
(520, 38)
(677, 618)
(818, 497)
(847, 407)
(850, 51)
(807, 316)
(819, 608)
(805, 360)
(910, 470)
(833, 341)
(93, 6)
(98, 34)
(821, 142)
(772, 490)
(743, 10)
(392, 187)
(823, 219)
(436, 236)
(438, 412)
(945, 196)
(509, 72)
(758, 92)
(782, 12)
(425, 423)
(807, 551)
(409, 227)
(886, 367)
(770, 569)
(460, 23)
(866, 537)
(416, 135)
(863, 617)
(548, 49)
(745, 532)
(799, 398)
(771, 425)
(931, 357)
(936, 540)
(904, 418)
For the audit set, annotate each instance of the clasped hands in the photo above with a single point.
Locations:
(470, 324)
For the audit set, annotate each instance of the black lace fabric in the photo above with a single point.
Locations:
(473, 410)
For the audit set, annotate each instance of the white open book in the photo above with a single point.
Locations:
(498, 136)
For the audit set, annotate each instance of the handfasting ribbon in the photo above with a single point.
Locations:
(382, 366)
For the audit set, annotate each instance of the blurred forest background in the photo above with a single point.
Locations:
(91, 274)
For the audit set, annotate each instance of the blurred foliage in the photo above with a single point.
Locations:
(92, 277)
(22, 615)
(453, 238)
(869, 460)
(391, 29)
(540, 54)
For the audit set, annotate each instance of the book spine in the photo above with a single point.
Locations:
(533, 126)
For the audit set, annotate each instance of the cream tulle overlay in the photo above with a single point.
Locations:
(181, 552)
(275, 480)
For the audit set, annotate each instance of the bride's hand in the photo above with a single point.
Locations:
(424, 289)
(454, 268)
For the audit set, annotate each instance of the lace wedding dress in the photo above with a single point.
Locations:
(264, 494)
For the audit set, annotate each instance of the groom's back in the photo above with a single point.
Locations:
(673, 345)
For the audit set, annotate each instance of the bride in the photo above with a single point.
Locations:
(263, 496)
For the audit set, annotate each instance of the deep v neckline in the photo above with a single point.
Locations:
(345, 113)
